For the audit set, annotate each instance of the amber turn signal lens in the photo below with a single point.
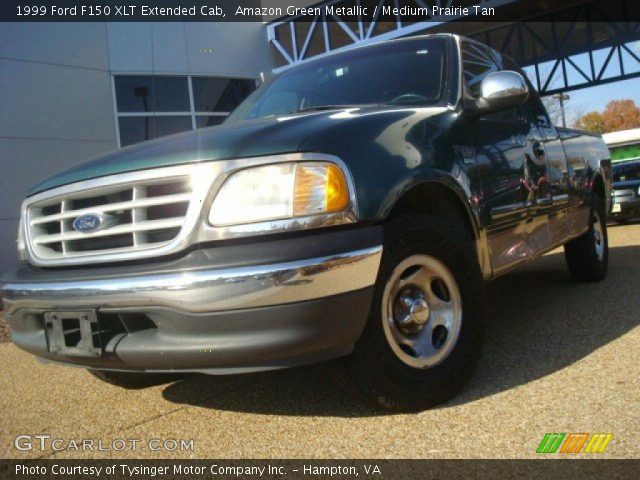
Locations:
(319, 188)
(337, 190)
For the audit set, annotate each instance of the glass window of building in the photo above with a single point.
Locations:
(151, 106)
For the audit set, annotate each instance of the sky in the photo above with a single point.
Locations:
(596, 98)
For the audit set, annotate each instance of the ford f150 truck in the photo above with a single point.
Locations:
(355, 205)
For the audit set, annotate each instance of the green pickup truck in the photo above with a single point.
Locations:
(354, 206)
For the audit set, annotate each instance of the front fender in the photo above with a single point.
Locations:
(391, 151)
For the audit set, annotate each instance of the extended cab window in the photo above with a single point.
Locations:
(408, 72)
(533, 107)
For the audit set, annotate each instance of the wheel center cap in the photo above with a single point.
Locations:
(411, 311)
(419, 311)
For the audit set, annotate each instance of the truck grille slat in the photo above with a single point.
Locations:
(142, 203)
(140, 215)
(134, 227)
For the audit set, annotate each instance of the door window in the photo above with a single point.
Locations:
(477, 63)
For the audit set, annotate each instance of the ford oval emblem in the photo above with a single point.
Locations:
(91, 222)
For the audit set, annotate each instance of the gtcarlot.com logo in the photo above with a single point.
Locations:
(574, 443)
(45, 442)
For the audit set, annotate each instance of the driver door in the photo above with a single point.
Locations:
(512, 174)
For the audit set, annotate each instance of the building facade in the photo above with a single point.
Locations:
(624, 145)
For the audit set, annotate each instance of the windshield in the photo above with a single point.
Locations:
(409, 72)
(629, 170)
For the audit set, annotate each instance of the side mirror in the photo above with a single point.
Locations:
(502, 90)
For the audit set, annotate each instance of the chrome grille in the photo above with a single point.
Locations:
(149, 213)
(142, 215)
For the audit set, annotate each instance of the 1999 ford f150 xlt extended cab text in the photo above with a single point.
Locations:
(354, 206)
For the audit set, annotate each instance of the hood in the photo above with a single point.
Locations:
(626, 184)
(267, 136)
(253, 138)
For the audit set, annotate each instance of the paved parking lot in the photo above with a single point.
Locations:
(559, 357)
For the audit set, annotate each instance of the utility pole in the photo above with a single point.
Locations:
(562, 97)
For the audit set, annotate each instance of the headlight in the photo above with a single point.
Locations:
(280, 191)
(22, 249)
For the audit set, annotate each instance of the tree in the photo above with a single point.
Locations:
(621, 115)
(553, 109)
(577, 112)
(617, 115)
(572, 110)
(590, 122)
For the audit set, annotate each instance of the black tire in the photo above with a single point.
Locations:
(584, 262)
(382, 377)
(134, 380)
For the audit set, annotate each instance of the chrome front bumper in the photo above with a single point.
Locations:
(205, 319)
(205, 290)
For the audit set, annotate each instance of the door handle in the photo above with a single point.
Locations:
(538, 148)
(542, 121)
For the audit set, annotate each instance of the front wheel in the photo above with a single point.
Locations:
(424, 331)
(588, 255)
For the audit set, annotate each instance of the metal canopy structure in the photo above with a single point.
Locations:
(562, 46)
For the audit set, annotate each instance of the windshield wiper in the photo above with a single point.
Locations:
(312, 108)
